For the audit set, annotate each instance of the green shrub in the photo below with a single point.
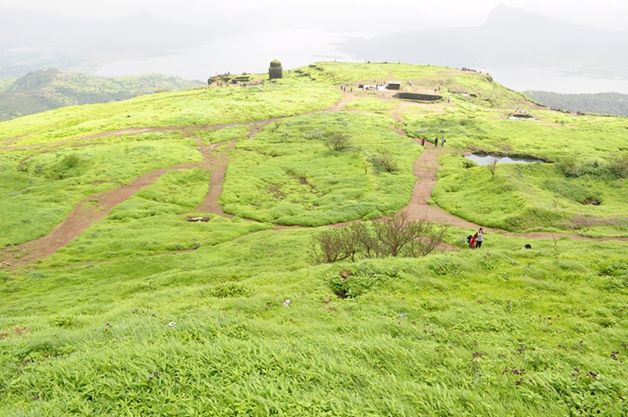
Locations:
(618, 166)
(384, 161)
(337, 142)
(229, 290)
(364, 277)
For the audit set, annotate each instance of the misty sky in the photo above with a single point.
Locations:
(197, 38)
(611, 14)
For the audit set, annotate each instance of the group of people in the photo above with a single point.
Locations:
(475, 240)
(442, 141)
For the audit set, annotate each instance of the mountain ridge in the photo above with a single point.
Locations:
(52, 88)
(509, 37)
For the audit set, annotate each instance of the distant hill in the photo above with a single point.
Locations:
(510, 38)
(602, 103)
(49, 89)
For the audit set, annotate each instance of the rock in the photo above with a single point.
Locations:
(198, 219)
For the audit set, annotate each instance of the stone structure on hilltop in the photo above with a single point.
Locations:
(275, 71)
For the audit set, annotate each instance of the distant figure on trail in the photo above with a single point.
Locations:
(436, 141)
(442, 141)
(423, 142)
(479, 238)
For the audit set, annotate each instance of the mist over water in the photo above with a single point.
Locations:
(239, 53)
(556, 80)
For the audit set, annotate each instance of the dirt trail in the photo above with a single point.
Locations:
(255, 125)
(425, 169)
(86, 213)
(217, 164)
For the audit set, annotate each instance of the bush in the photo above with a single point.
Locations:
(574, 168)
(65, 168)
(351, 284)
(618, 167)
(229, 290)
(389, 237)
(384, 161)
(337, 142)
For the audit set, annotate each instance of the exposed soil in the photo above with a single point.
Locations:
(425, 169)
(86, 213)
(217, 163)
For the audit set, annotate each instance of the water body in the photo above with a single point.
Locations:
(556, 80)
(237, 54)
(484, 160)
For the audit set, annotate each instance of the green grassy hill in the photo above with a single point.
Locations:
(49, 89)
(114, 303)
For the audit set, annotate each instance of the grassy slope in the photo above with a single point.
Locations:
(37, 178)
(273, 179)
(39, 189)
(206, 106)
(146, 314)
(533, 197)
(540, 198)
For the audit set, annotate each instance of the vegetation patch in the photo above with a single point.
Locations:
(273, 179)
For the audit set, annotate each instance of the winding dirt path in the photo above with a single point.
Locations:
(217, 163)
(425, 169)
(256, 126)
(86, 213)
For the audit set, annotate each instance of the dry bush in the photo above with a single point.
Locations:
(384, 161)
(337, 142)
(389, 237)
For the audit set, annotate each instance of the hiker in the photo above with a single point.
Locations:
(423, 142)
(436, 141)
(472, 240)
(480, 238)
(442, 142)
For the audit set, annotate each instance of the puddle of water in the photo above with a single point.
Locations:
(518, 117)
(484, 160)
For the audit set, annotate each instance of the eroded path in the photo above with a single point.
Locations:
(86, 213)
(216, 163)
(8, 144)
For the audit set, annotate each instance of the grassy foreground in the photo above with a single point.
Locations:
(147, 314)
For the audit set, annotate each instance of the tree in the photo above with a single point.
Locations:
(493, 167)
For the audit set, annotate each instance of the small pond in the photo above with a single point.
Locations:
(483, 159)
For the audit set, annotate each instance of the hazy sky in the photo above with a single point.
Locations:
(605, 13)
